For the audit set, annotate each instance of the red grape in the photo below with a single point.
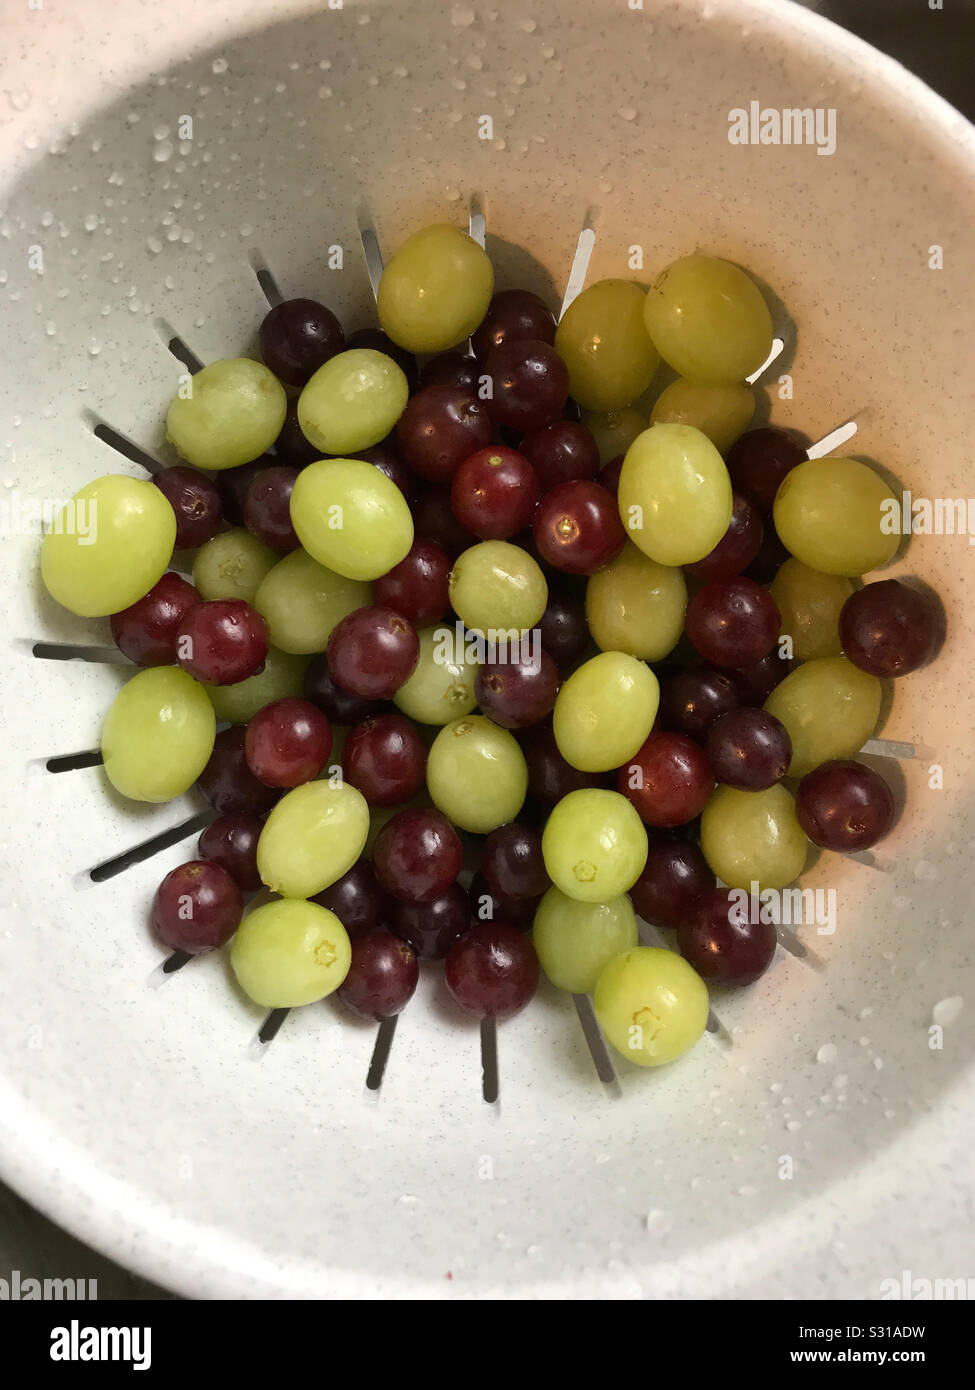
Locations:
(197, 907)
(340, 705)
(441, 427)
(514, 316)
(232, 484)
(146, 632)
(382, 976)
(196, 501)
(563, 629)
(733, 623)
(563, 452)
(417, 855)
(577, 528)
(358, 900)
(675, 875)
(512, 863)
(297, 337)
(757, 463)
(889, 629)
(755, 683)
(609, 475)
(550, 777)
(386, 759)
(451, 369)
(770, 558)
(748, 749)
(228, 783)
(291, 447)
(288, 742)
(736, 549)
(267, 507)
(490, 906)
(668, 780)
(434, 520)
(690, 701)
(432, 927)
(845, 806)
(384, 457)
(231, 842)
(417, 587)
(222, 641)
(492, 972)
(372, 652)
(529, 383)
(723, 943)
(516, 693)
(494, 493)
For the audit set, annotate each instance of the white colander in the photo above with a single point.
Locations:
(819, 1141)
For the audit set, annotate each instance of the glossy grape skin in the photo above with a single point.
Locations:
(529, 385)
(377, 341)
(289, 953)
(810, 603)
(384, 457)
(232, 484)
(492, 971)
(708, 320)
(351, 518)
(733, 623)
(720, 412)
(231, 842)
(196, 504)
(494, 493)
(513, 316)
(604, 711)
(352, 402)
(723, 944)
(267, 507)
(434, 520)
(417, 855)
(487, 905)
(563, 629)
(108, 546)
(290, 447)
(228, 783)
(751, 837)
(312, 837)
(303, 602)
(431, 928)
(372, 652)
(562, 452)
(476, 774)
(386, 759)
(577, 528)
(338, 704)
(197, 907)
(496, 585)
(614, 430)
(755, 683)
(297, 337)
(675, 495)
(550, 777)
(440, 428)
(651, 1005)
(609, 475)
(516, 693)
(674, 877)
(602, 339)
(845, 806)
(146, 632)
(829, 708)
(636, 606)
(748, 749)
(435, 289)
(575, 940)
(668, 780)
(512, 862)
(759, 461)
(287, 743)
(830, 513)
(222, 641)
(771, 556)
(358, 900)
(595, 845)
(890, 629)
(439, 690)
(690, 700)
(382, 976)
(158, 735)
(232, 565)
(281, 677)
(736, 549)
(233, 414)
(457, 369)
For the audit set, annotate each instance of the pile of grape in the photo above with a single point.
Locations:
(364, 528)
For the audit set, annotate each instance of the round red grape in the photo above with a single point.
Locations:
(845, 806)
(690, 701)
(577, 528)
(384, 457)
(222, 641)
(432, 927)
(434, 520)
(492, 972)
(609, 475)
(723, 942)
(550, 777)
(487, 905)
(231, 842)
(417, 586)
(147, 631)
(494, 493)
(749, 749)
(372, 652)
(514, 316)
(889, 629)
(512, 863)
(382, 976)
(756, 682)
(675, 875)
(563, 629)
(770, 558)
(757, 463)
(733, 623)
(668, 780)
(197, 907)
(288, 742)
(529, 383)
(386, 759)
(196, 501)
(228, 783)
(441, 427)
(297, 337)
(417, 855)
(339, 704)
(267, 507)
(358, 900)
(455, 369)
(736, 549)
(516, 693)
(563, 452)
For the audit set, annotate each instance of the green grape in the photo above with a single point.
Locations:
(496, 586)
(234, 412)
(721, 412)
(232, 565)
(574, 940)
(594, 845)
(108, 546)
(441, 687)
(832, 515)
(290, 952)
(636, 606)
(603, 341)
(810, 604)
(158, 734)
(282, 676)
(675, 494)
(313, 835)
(829, 708)
(302, 601)
(476, 774)
(651, 1005)
(753, 837)
(353, 401)
(435, 290)
(351, 517)
(604, 712)
(614, 431)
(708, 320)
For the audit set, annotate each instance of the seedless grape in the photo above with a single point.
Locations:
(605, 711)
(313, 835)
(351, 517)
(829, 708)
(604, 342)
(302, 602)
(708, 320)
(290, 953)
(828, 513)
(435, 290)
(158, 734)
(476, 774)
(594, 845)
(636, 606)
(810, 603)
(720, 412)
(574, 940)
(234, 412)
(753, 837)
(674, 494)
(232, 565)
(614, 431)
(651, 1005)
(353, 401)
(282, 677)
(441, 687)
(497, 585)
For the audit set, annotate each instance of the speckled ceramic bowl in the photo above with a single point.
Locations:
(819, 1144)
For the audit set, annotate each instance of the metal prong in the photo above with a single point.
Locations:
(71, 762)
(271, 1026)
(168, 967)
(596, 1043)
(267, 282)
(833, 440)
(178, 347)
(580, 263)
(370, 249)
(789, 941)
(778, 347)
(71, 651)
(478, 222)
(490, 1086)
(116, 440)
(120, 862)
(893, 748)
(380, 1052)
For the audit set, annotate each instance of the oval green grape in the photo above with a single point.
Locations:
(233, 414)
(313, 836)
(603, 341)
(353, 401)
(497, 587)
(232, 565)
(605, 711)
(753, 838)
(651, 1005)
(301, 601)
(594, 845)
(476, 774)
(810, 603)
(290, 952)
(158, 734)
(281, 677)
(351, 518)
(675, 495)
(614, 431)
(708, 320)
(837, 515)
(441, 687)
(435, 289)
(636, 606)
(829, 708)
(721, 412)
(574, 940)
